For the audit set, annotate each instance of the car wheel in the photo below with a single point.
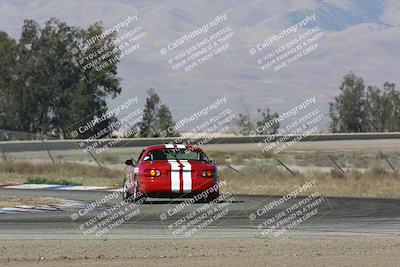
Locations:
(126, 196)
(137, 196)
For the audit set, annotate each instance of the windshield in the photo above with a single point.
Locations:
(175, 154)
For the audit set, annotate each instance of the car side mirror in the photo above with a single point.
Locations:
(131, 162)
(213, 162)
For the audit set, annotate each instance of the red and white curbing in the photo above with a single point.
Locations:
(68, 204)
(61, 187)
(42, 208)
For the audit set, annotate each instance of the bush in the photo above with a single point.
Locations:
(334, 173)
(378, 171)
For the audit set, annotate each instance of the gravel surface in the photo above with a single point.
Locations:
(286, 251)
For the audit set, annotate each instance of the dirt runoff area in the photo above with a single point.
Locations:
(287, 251)
(12, 202)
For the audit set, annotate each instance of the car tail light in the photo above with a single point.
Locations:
(152, 173)
(208, 173)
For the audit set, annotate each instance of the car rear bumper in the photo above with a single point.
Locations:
(161, 187)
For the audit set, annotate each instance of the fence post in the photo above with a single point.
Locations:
(286, 167)
(3, 153)
(94, 158)
(48, 151)
(230, 167)
(335, 163)
(386, 158)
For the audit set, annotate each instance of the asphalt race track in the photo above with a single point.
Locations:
(337, 216)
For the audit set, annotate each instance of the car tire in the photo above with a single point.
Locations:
(137, 196)
(126, 196)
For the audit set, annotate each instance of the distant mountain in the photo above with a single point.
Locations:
(360, 35)
(339, 15)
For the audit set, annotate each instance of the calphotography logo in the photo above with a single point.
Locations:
(293, 29)
(299, 122)
(214, 35)
(105, 214)
(102, 51)
(193, 217)
(290, 211)
(99, 133)
(301, 43)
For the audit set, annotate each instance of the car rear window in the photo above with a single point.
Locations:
(175, 154)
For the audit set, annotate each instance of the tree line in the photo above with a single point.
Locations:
(361, 108)
(358, 108)
(42, 90)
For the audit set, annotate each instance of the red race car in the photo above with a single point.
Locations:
(171, 171)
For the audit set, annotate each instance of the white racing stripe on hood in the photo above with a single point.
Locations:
(175, 173)
(186, 175)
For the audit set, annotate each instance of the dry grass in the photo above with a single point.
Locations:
(373, 183)
(307, 158)
(73, 173)
(64, 169)
(236, 157)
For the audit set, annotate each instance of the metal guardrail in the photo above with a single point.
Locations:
(22, 146)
